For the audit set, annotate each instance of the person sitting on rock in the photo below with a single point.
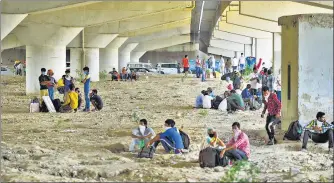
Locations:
(71, 100)
(141, 135)
(238, 148)
(199, 100)
(213, 139)
(319, 131)
(235, 102)
(170, 139)
(96, 100)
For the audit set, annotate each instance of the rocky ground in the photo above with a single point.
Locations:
(92, 146)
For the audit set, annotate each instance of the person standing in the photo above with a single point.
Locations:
(86, 83)
(228, 66)
(235, 64)
(213, 65)
(198, 67)
(44, 80)
(52, 84)
(242, 64)
(222, 65)
(68, 80)
(270, 81)
(185, 63)
(278, 85)
(273, 105)
(203, 70)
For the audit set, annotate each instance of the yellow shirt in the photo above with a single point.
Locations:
(60, 82)
(72, 99)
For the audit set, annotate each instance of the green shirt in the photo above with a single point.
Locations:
(238, 99)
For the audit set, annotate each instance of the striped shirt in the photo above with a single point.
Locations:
(242, 143)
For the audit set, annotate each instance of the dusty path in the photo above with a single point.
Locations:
(90, 146)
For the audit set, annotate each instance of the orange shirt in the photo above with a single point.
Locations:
(185, 62)
(123, 71)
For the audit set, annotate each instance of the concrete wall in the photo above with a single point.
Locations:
(9, 56)
(248, 50)
(315, 86)
(264, 50)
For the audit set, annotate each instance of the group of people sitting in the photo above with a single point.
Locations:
(238, 148)
(125, 75)
(72, 99)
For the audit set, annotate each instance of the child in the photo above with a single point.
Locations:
(86, 83)
(79, 97)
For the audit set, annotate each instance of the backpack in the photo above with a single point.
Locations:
(56, 104)
(216, 102)
(294, 131)
(225, 76)
(185, 139)
(210, 157)
(146, 152)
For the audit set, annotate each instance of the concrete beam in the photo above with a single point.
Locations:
(232, 37)
(233, 17)
(9, 22)
(272, 10)
(219, 51)
(162, 43)
(10, 41)
(125, 54)
(320, 4)
(92, 40)
(227, 45)
(136, 55)
(109, 55)
(99, 13)
(223, 26)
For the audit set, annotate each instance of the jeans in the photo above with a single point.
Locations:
(167, 144)
(87, 101)
(279, 95)
(198, 72)
(124, 77)
(236, 154)
(318, 137)
(203, 75)
(270, 132)
(51, 93)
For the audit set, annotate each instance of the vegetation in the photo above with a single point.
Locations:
(103, 75)
(79, 74)
(203, 112)
(235, 173)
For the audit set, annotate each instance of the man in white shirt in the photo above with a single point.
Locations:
(213, 66)
(235, 64)
(254, 81)
(242, 63)
(278, 85)
(207, 100)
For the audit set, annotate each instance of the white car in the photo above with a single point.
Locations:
(167, 68)
(141, 65)
(5, 71)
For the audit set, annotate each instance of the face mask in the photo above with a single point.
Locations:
(85, 72)
(266, 98)
(43, 73)
(142, 129)
(67, 74)
(211, 135)
(236, 134)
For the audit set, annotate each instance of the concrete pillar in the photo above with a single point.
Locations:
(307, 67)
(277, 46)
(135, 56)
(76, 61)
(125, 55)
(248, 50)
(48, 57)
(93, 62)
(264, 50)
(253, 47)
(109, 55)
(9, 22)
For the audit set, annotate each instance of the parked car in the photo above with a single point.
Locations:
(140, 65)
(142, 71)
(6, 71)
(167, 68)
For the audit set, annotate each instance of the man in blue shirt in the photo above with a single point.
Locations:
(170, 139)
(199, 100)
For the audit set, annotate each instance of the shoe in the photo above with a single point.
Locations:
(271, 142)
(304, 150)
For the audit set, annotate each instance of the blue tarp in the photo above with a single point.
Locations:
(250, 61)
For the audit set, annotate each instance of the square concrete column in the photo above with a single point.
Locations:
(92, 56)
(307, 67)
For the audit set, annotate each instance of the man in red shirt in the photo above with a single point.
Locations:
(185, 63)
(198, 67)
(273, 105)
